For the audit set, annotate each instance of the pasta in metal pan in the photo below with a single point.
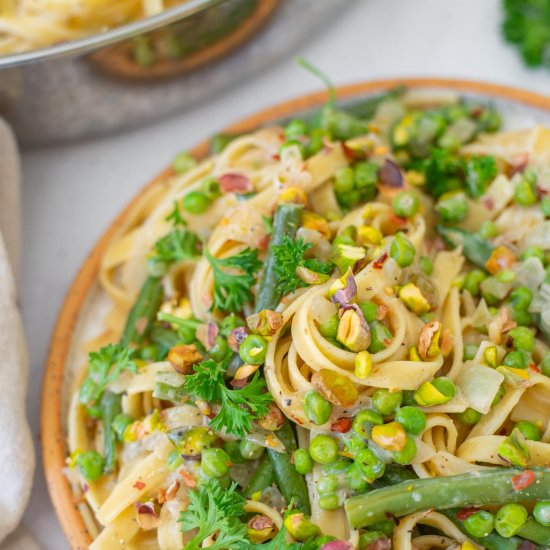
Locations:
(331, 335)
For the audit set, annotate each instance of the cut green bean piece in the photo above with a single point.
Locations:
(474, 489)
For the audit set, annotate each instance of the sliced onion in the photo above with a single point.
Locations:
(479, 385)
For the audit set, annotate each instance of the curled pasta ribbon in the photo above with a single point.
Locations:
(293, 357)
(403, 537)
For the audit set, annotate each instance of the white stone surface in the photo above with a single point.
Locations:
(71, 192)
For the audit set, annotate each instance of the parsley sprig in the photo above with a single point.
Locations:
(234, 278)
(104, 367)
(289, 255)
(214, 510)
(238, 407)
(176, 246)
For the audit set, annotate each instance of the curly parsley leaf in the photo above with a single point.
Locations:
(289, 256)
(480, 172)
(175, 216)
(234, 278)
(176, 246)
(215, 510)
(238, 406)
(104, 367)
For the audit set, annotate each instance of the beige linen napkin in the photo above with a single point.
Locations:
(16, 448)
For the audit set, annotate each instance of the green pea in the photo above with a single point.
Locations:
(344, 179)
(317, 408)
(488, 230)
(370, 311)
(253, 349)
(534, 252)
(386, 402)
(363, 422)
(316, 141)
(406, 204)
(294, 144)
(480, 524)
(541, 512)
(302, 461)
(323, 449)
(472, 280)
(523, 339)
(90, 464)
(149, 353)
(545, 365)
(510, 519)
(339, 466)
(367, 539)
(250, 450)
(183, 162)
(407, 454)
(516, 360)
(452, 207)
(445, 386)
(385, 526)
(327, 485)
(525, 193)
(545, 206)
(220, 349)
(295, 128)
(174, 461)
(329, 326)
(232, 448)
(230, 323)
(120, 423)
(470, 351)
(366, 174)
(329, 502)
(402, 250)
(412, 419)
(371, 466)
(469, 416)
(196, 202)
(529, 430)
(380, 334)
(522, 317)
(426, 265)
(356, 479)
(521, 297)
(211, 188)
(215, 462)
(348, 199)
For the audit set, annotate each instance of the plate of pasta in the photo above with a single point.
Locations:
(326, 329)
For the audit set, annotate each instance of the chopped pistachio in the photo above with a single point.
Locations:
(266, 322)
(353, 332)
(369, 236)
(363, 364)
(300, 527)
(490, 356)
(335, 387)
(346, 255)
(390, 436)
(514, 449)
(413, 298)
(311, 277)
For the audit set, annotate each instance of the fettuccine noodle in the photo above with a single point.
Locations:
(405, 336)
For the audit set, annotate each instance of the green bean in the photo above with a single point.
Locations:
(110, 408)
(285, 223)
(145, 308)
(290, 482)
(262, 479)
(535, 532)
(479, 488)
(366, 109)
(476, 249)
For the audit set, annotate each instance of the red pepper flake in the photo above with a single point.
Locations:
(523, 480)
(139, 485)
(466, 512)
(534, 367)
(348, 151)
(235, 183)
(397, 220)
(378, 264)
(488, 202)
(341, 425)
